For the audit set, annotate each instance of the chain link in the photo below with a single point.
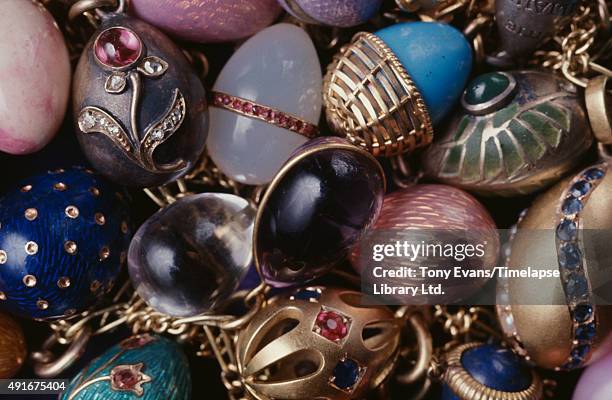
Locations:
(576, 48)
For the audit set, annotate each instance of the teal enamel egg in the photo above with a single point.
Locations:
(147, 367)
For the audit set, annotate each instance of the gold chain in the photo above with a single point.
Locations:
(576, 48)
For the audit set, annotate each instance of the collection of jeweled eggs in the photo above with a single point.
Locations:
(311, 121)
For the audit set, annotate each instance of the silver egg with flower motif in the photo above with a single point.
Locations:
(516, 132)
(140, 109)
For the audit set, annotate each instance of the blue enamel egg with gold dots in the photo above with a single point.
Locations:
(145, 367)
(63, 237)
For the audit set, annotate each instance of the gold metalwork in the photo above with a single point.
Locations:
(468, 388)
(598, 108)
(546, 330)
(575, 51)
(282, 335)
(371, 99)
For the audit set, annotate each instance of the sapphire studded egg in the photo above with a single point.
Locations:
(63, 238)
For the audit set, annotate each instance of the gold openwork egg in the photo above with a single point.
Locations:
(317, 343)
(563, 322)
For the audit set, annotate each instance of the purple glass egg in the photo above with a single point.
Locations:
(207, 21)
(342, 13)
(323, 200)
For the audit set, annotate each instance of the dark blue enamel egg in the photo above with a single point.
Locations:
(63, 238)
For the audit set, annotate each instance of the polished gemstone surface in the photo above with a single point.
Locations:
(497, 368)
(192, 255)
(346, 374)
(318, 209)
(117, 47)
(485, 88)
(277, 68)
(437, 57)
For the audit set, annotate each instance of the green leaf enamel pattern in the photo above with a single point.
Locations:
(521, 147)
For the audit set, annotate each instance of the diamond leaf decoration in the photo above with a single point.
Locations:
(153, 67)
(116, 82)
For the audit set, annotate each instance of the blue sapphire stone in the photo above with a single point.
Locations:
(586, 332)
(583, 312)
(566, 230)
(497, 368)
(577, 286)
(569, 256)
(571, 205)
(572, 364)
(594, 174)
(581, 351)
(307, 294)
(580, 188)
(346, 374)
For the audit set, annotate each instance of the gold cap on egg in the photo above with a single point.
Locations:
(371, 99)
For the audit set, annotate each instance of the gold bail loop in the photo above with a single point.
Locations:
(598, 108)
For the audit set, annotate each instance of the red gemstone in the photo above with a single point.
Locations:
(125, 379)
(247, 107)
(117, 47)
(218, 99)
(283, 120)
(331, 325)
(262, 112)
(298, 125)
(271, 116)
(237, 104)
(226, 100)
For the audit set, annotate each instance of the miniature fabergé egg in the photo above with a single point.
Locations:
(452, 227)
(140, 109)
(563, 322)
(266, 103)
(63, 238)
(191, 256)
(13, 349)
(147, 367)
(320, 204)
(415, 73)
(317, 343)
(207, 21)
(515, 133)
(34, 77)
(340, 13)
(488, 371)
